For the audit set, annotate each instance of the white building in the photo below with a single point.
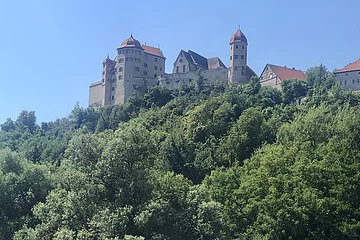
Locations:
(349, 76)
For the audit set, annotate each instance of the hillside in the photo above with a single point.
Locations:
(220, 162)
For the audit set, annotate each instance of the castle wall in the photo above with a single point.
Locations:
(209, 77)
(96, 95)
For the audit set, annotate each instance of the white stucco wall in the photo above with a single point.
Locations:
(349, 80)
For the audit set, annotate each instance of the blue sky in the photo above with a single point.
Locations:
(51, 51)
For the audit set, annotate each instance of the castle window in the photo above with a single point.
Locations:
(112, 97)
(145, 64)
(146, 56)
(145, 72)
(358, 80)
(156, 59)
(183, 68)
(180, 60)
(230, 57)
(120, 69)
(160, 69)
(236, 46)
(177, 69)
(120, 77)
(235, 68)
(353, 81)
(155, 75)
(137, 69)
(113, 88)
(243, 47)
(345, 82)
(231, 48)
(103, 72)
(236, 56)
(242, 56)
(121, 60)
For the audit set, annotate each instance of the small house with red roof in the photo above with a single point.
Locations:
(273, 75)
(349, 76)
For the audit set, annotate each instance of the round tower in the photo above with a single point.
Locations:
(238, 58)
(129, 69)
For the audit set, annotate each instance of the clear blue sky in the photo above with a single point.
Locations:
(50, 51)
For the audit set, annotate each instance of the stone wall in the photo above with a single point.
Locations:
(209, 77)
(96, 95)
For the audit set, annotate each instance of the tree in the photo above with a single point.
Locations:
(27, 119)
(293, 90)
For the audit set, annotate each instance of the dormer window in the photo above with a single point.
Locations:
(181, 60)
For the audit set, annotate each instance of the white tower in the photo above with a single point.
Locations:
(238, 58)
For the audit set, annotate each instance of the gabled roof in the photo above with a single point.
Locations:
(355, 66)
(250, 73)
(153, 51)
(285, 73)
(198, 59)
(215, 63)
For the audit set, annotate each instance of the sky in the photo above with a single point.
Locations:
(51, 51)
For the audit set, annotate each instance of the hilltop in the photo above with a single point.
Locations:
(198, 162)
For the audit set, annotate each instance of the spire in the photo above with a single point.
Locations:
(239, 26)
(108, 57)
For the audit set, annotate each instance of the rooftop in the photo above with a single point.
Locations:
(238, 36)
(355, 66)
(130, 42)
(285, 73)
(153, 50)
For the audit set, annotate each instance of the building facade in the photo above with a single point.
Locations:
(349, 76)
(273, 75)
(137, 67)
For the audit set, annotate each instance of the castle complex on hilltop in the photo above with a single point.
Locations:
(138, 67)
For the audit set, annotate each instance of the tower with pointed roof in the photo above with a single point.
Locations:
(237, 72)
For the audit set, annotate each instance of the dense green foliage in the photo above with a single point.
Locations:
(220, 162)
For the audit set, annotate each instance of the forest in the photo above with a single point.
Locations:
(201, 162)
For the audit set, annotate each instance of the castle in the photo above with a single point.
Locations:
(138, 67)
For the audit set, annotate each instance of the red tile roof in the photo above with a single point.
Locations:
(285, 73)
(130, 42)
(355, 66)
(153, 51)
